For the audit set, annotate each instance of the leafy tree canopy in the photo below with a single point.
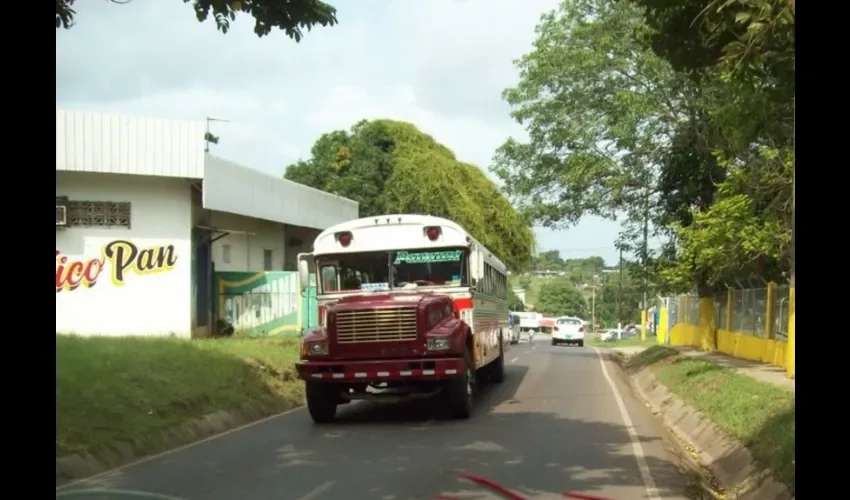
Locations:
(674, 112)
(598, 105)
(392, 167)
(737, 157)
(290, 16)
(559, 297)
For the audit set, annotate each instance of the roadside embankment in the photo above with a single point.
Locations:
(119, 399)
(741, 428)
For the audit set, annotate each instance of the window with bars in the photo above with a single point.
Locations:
(98, 213)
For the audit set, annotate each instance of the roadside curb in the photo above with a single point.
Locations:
(83, 465)
(729, 461)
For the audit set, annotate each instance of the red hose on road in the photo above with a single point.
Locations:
(506, 493)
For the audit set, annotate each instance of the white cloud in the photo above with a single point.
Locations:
(440, 64)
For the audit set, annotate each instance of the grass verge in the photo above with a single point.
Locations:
(130, 390)
(631, 342)
(758, 414)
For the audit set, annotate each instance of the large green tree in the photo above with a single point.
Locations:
(675, 116)
(599, 106)
(559, 297)
(742, 55)
(392, 167)
(290, 16)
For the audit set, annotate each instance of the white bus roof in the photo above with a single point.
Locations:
(398, 232)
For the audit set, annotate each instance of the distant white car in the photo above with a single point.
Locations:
(609, 335)
(568, 330)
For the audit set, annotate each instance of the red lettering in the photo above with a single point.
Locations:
(92, 271)
(74, 275)
(70, 275)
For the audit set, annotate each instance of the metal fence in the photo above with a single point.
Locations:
(749, 311)
(687, 310)
(756, 311)
(781, 312)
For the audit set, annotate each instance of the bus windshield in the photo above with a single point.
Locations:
(403, 269)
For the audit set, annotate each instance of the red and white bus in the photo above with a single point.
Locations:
(409, 306)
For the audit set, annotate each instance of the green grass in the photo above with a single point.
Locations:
(758, 414)
(132, 389)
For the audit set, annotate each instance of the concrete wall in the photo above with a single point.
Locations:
(244, 249)
(298, 240)
(150, 297)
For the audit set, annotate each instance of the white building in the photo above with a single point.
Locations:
(144, 217)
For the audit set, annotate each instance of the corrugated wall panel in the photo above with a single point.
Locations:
(230, 187)
(111, 143)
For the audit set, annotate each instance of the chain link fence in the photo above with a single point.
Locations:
(781, 309)
(747, 311)
(721, 309)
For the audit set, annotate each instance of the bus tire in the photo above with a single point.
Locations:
(322, 401)
(461, 391)
(497, 369)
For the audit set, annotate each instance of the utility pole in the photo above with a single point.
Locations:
(645, 255)
(593, 305)
(620, 293)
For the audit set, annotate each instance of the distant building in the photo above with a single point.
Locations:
(147, 223)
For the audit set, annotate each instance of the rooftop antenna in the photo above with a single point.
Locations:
(208, 137)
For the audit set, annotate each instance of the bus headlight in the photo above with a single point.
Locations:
(438, 343)
(314, 349)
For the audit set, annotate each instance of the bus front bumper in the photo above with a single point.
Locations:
(380, 371)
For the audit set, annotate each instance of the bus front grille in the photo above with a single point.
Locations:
(390, 324)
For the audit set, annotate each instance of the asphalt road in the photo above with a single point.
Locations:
(560, 421)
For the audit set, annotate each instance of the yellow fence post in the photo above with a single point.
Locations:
(769, 316)
(789, 351)
(730, 308)
(706, 324)
(663, 326)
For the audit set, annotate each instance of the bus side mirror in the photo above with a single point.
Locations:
(304, 270)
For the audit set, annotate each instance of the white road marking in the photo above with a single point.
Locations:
(175, 450)
(637, 449)
(514, 360)
(317, 491)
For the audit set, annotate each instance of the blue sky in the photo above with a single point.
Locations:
(440, 64)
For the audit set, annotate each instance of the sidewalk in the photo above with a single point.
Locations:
(762, 372)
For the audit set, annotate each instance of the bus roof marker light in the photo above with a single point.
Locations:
(433, 232)
(344, 238)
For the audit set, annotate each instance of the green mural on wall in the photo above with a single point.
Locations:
(265, 303)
